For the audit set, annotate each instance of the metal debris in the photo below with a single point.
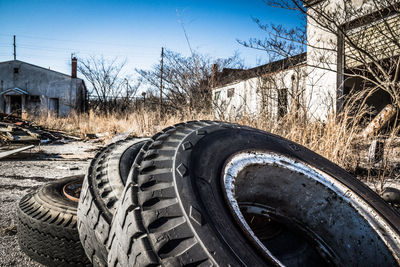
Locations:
(14, 151)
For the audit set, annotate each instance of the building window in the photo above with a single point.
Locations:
(34, 98)
(231, 92)
(217, 95)
(16, 70)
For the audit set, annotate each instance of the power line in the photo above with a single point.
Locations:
(78, 50)
(49, 50)
(89, 52)
(80, 42)
(56, 54)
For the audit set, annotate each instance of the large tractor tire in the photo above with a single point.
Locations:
(218, 194)
(101, 190)
(47, 229)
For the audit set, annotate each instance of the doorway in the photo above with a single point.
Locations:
(15, 104)
(53, 106)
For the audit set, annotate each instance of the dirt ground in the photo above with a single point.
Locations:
(26, 172)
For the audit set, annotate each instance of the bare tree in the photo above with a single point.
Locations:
(108, 87)
(280, 42)
(186, 80)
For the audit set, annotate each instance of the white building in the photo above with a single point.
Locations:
(270, 89)
(324, 77)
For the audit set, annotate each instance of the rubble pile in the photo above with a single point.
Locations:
(13, 130)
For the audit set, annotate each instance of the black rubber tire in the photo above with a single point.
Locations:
(47, 229)
(101, 190)
(173, 211)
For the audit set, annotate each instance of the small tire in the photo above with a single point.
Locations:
(101, 189)
(47, 229)
(175, 209)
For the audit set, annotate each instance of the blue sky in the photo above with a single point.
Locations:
(49, 31)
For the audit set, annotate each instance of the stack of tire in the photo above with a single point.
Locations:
(206, 193)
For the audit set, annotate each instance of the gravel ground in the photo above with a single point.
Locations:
(26, 172)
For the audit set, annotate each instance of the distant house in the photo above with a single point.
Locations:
(27, 88)
(271, 89)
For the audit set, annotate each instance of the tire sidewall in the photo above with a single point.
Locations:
(201, 185)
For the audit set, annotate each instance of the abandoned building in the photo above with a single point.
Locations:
(272, 89)
(29, 89)
(332, 69)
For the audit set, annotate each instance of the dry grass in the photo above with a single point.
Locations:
(331, 138)
(138, 123)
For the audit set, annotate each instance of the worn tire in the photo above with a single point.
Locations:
(47, 229)
(174, 212)
(101, 189)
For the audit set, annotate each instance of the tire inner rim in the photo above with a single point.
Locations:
(297, 215)
(72, 191)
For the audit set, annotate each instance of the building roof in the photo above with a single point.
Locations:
(227, 76)
(50, 70)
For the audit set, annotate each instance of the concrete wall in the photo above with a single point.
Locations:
(41, 82)
(322, 60)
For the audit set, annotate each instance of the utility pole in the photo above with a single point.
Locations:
(127, 89)
(15, 50)
(161, 78)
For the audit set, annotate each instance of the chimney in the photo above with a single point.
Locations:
(214, 71)
(74, 65)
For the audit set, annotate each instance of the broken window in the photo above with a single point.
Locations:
(231, 92)
(16, 70)
(217, 95)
